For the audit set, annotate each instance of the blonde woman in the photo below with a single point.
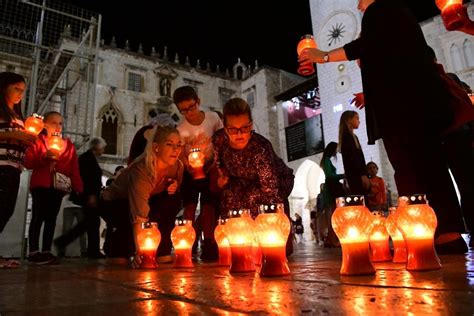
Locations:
(147, 190)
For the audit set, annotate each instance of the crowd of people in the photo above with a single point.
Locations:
(221, 163)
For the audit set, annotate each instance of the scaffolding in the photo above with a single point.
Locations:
(55, 46)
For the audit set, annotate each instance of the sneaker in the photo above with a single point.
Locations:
(38, 258)
(210, 251)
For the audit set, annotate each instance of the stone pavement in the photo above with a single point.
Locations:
(82, 287)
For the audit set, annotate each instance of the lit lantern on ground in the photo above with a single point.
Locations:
(399, 249)
(148, 239)
(273, 228)
(222, 242)
(307, 41)
(379, 239)
(352, 223)
(196, 160)
(417, 222)
(55, 144)
(239, 231)
(182, 237)
(453, 13)
(34, 124)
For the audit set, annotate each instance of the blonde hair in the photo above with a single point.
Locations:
(159, 134)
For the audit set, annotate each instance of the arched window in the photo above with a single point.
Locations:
(110, 120)
(468, 53)
(456, 58)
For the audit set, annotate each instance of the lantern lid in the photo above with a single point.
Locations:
(222, 219)
(35, 115)
(271, 208)
(350, 200)
(377, 213)
(412, 199)
(195, 149)
(182, 222)
(239, 213)
(307, 36)
(149, 225)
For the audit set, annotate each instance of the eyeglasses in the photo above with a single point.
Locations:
(243, 130)
(189, 109)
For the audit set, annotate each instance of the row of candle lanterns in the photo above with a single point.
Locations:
(243, 243)
(364, 239)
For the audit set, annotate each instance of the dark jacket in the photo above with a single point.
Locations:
(354, 163)
(91, 174)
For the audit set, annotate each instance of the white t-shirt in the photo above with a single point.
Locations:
(200, 136)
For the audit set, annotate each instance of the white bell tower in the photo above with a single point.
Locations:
(336, 23)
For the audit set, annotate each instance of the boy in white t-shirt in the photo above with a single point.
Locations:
(196, 130)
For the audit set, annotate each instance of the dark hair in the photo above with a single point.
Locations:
(7, 79)
(118, 168)
(184, 93)
(329, 151)
(50, 113)
(343, 123)
(236, 106)
(372, 163)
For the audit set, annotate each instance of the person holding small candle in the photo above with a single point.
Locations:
(147, 190)
(13, 143)
(44, 162)
(250, 172)
(406, 105)
(196, 130)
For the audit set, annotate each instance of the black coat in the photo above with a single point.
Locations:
(354, 163)
(91, 174)
(403, 91)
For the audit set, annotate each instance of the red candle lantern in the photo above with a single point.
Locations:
(239, 231)
(196, 161)
(399, 249)
(222, 242)
(55, 144)
(453, 13)
(379, 239)
(352, 223)
(307, 41)
(182, 237)
(34, 124)
(148, 239)
(417, 222)
(273, 228)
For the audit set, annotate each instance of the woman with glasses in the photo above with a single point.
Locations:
(251, 173)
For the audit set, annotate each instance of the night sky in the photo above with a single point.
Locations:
(193, 28)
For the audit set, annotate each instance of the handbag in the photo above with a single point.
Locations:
(61, 182)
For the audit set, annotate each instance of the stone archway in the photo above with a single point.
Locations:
(308, 178)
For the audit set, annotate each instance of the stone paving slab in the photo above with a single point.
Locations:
(81, 287)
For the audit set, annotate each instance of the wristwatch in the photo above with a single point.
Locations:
(326, 57)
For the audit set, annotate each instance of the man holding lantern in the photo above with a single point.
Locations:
(196, 131)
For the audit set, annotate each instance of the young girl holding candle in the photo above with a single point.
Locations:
(44, 162)
(13, 144)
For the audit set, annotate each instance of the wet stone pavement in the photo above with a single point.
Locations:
(82, 287)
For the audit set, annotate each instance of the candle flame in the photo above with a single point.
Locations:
(353, 232)
(149, 244)
(419, 230)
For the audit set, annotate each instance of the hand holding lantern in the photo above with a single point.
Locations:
(196, 160)
(55, 146)
(34, 124)
(148, 239)
(399, 248)
(351, 222)
(417, 222)
(379, 238)
(273, 229)
(307, 41)
(222, 242)
(239, 231)
(453, 13)
(183, 236)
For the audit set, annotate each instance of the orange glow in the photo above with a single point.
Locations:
(379, 238)
(148, 239)
(307, 41)
(399, 248)
(352, 223)
(182, 237)
(453, 14)
(34, 124)
(196, 161)
(444, 4)
(222, 243)
(273, 229)
(240, 233)
(417, 222)
(56, 144)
